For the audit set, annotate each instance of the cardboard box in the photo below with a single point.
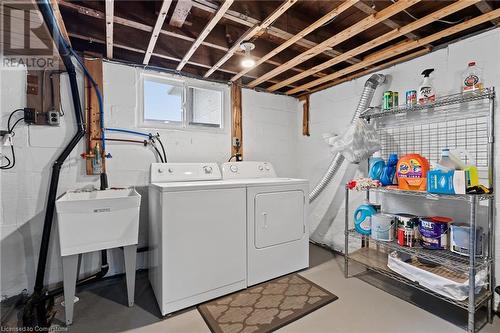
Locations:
(447, 182)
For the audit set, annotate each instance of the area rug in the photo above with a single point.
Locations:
(265, 307)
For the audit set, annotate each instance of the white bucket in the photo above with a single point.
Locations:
(383, 227)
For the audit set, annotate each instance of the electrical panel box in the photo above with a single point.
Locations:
(43, 97)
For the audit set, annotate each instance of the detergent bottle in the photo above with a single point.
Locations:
(426, 93)
(472, 78)
(376, 165)
(447, 162)
(387, 177)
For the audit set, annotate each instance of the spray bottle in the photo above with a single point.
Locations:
(426, 93)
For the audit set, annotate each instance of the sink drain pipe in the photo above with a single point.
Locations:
(366, 97)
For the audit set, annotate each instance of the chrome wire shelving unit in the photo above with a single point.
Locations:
(459, 121)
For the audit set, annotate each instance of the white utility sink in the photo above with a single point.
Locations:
(97, 220)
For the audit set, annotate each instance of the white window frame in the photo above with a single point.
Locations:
(187, 114)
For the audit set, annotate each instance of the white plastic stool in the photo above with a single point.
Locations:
(70, 265)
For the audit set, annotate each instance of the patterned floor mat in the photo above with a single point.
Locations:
(265, 307)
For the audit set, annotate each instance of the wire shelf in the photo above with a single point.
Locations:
(376, 112)
(448, 259)
(432, 196)
(361, 258)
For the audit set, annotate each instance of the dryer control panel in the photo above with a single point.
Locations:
(247, 169)
(184, 172)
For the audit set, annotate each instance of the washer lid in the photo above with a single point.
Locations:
(196, 185)
(184, 172)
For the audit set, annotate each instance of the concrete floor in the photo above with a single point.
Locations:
(361, 307)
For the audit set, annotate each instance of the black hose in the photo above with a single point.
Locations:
(162, 148)
(158, 152)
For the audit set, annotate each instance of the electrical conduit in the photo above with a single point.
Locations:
(366, 97)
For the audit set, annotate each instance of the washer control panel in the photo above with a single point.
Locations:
(247, 169)
(183, 172)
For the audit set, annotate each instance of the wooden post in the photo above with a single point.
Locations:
(305, 114)
(236, 120)
(92, 114)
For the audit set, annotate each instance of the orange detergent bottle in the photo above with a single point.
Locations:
(411, 172)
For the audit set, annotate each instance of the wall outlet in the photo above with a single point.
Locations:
(53, 118)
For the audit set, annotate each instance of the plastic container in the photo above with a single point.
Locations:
(97, 220)
(472, 78)
(447, 162)
(377, 165)
(426, 93)
(411, 172)
(434, 232)
(388, 172)
(362, 218)
(382, 227)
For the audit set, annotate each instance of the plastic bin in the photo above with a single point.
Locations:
(97, 220)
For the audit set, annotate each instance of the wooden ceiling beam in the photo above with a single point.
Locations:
(251, 33)
(162, 15)
(485, 7)
(211, 24)
(380, 67)
(387, 37)
(181, 12)
(329, 16)
(59, 20)
(141, 51)
(144, 27)
(400, 48)
(109, 27)
(248, 21)
(336, 39)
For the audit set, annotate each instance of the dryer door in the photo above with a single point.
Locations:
(279, 218)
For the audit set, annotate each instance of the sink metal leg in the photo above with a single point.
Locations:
(130, 254)
(70, 265)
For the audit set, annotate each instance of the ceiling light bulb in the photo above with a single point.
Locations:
(247, 62)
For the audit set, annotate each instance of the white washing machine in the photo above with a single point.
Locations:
(197, 234)
(277, 227)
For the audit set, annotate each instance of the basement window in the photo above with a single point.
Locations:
(169, 103)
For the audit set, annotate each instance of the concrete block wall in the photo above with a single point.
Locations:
(331, 111)
(23, 189)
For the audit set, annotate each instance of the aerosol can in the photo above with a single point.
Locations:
(426, 93)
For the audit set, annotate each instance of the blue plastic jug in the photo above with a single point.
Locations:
(377, 165)
(387, 177)
(362, 223)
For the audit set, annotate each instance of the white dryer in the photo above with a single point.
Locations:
(277, 227)
(197, 234)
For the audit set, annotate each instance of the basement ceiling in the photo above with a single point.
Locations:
(301, 46)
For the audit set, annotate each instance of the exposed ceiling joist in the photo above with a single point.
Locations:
(400, 49)
(387, 37)
(144, 27)
(273, 31)
(326, 18)
(59, 19)
(380, 67)
(211, 24)
(162, 15)
(485, 7)
(345, 34)
(109, 27)
(136, 50)
(181, 12)
(251, 33)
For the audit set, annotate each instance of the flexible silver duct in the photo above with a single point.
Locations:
(366, 97)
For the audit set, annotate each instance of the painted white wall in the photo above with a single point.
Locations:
(331, 111)
(271, 130)
(23, 189)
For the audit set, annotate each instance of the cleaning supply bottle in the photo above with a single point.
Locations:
(447, 162)
(426, 93)
(377, 165)
(472, 78)
(387, 177)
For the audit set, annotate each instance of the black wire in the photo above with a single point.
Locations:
(162, 148)
(2, 167)
(10, 117)
(10, 165)
(157, 151)
(14, 126)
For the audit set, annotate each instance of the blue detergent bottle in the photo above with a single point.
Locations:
(376, 165)
(387, 177)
